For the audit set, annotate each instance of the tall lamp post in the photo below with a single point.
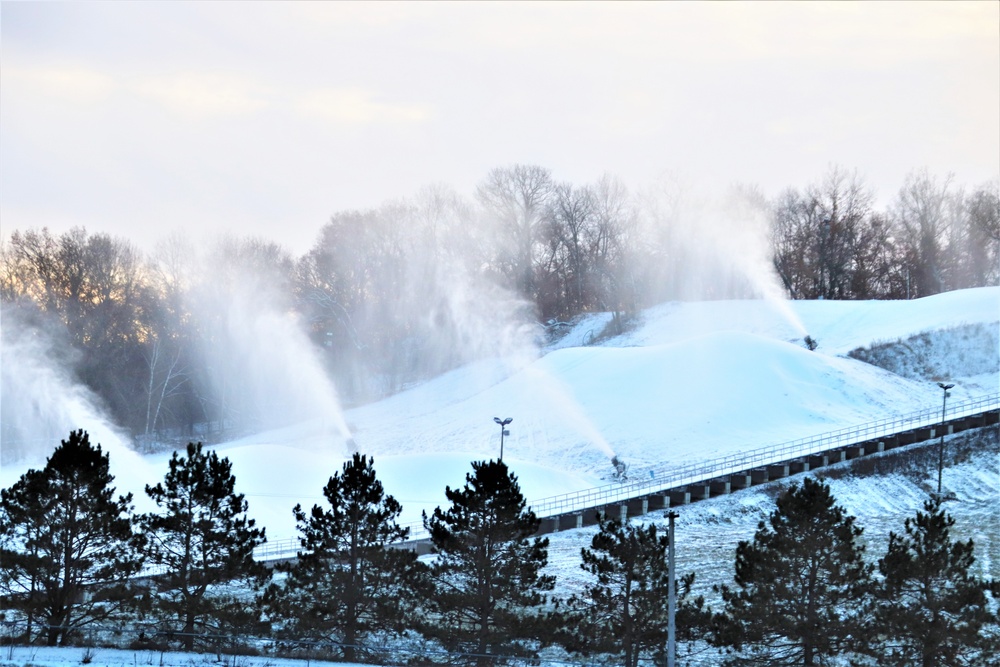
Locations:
(944, 404)
(671, 592)
(503, 431)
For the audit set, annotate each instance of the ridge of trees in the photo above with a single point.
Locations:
(804, 593)
(416, 287)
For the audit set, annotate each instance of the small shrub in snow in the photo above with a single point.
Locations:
(961, 351)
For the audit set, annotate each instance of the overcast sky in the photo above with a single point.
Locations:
(137, 118)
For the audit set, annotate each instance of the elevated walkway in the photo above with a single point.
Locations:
(660, 487)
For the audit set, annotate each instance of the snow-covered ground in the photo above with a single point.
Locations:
(38, 656)
(692, 381)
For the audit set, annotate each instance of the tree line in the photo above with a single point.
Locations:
(72, 553)
(398, 293)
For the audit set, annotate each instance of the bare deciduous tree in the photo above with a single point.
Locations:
(921, 220)
(517, 197)
(818, 236)
(981, 249)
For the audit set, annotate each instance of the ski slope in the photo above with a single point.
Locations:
(694, 380)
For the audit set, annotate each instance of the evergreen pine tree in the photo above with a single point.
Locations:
(487, 577)
(202, 538)
(802, 584)
(68, 549)
(933, 610)
(625, 611)
(347, 582)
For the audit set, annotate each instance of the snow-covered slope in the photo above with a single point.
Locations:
(691, 381)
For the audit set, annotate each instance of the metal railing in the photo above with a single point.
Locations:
(666, 477)
(278, 549)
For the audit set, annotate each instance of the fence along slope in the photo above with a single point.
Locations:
(666, 477)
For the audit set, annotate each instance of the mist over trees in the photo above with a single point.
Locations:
(392, 295)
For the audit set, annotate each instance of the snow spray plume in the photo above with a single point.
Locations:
(717, 247)
(435, 286)
(40, 400)
(262, 370)
(562, 406)
(427, 307)
(461, 315)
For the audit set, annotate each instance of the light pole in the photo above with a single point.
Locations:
(671, 592)
(503, 431)
(944, 404)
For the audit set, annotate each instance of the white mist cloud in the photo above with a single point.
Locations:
(40, 400)
(261, 368)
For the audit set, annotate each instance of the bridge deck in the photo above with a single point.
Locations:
(659, 487)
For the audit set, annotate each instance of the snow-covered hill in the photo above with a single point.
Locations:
(691, 380)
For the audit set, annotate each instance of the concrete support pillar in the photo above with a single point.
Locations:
(659, 501)
(623, 512)
(819, 461)
(679, 498)
(802, 465)
(555, 524)
(645, 505)
(579, 520)
(777, 472)
(721, 487)
(880, 446)
(741, 481)
(699, 492)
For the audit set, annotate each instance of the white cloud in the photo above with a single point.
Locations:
(355, 106)
(75, 83)
(262, 113)
(204, 94)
